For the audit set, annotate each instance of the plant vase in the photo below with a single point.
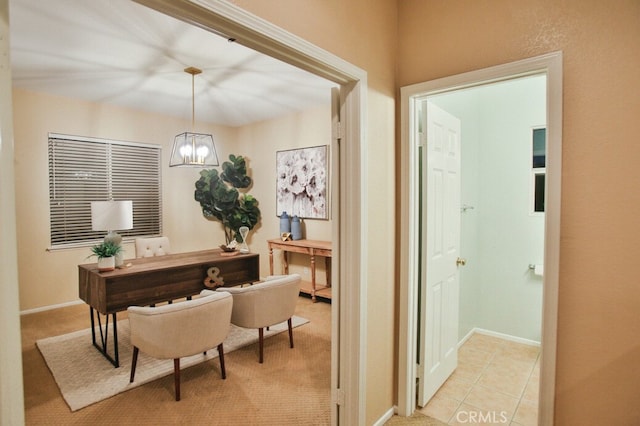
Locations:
(106, 264)
(229, 249)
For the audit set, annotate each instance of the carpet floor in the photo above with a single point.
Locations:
(292, 387)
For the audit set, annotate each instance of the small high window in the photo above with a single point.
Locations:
(538, 167)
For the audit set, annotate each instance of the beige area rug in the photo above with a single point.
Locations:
(85, 377)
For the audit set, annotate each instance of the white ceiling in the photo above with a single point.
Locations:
(123, 53)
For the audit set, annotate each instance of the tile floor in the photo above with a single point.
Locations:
(496, 382)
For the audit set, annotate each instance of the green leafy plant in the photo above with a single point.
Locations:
(105, 249)
(220, 197)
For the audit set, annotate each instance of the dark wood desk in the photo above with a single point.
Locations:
(156, 279)
(312, 248)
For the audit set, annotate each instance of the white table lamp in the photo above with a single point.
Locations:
(112, 216)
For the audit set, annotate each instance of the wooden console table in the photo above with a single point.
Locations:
(153, 280)
(312, 248)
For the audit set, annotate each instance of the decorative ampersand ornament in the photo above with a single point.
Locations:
(213, 279)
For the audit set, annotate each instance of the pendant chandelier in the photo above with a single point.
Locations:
(193, 149)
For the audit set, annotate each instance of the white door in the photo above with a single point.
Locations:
(440, 242)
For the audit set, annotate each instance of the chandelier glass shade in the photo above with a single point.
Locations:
(190, 148)
(193, 149)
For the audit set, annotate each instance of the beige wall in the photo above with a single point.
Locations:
(363, 32)
(598, 373)
(261, 141)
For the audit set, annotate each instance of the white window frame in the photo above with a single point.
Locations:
(85, 169)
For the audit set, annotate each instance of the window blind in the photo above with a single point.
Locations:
(82, 170)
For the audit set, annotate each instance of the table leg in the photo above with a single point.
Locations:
(270, 260)
(285, 262)
(102, 348)
(327, 264)
(313, 277)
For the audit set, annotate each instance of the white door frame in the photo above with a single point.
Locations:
(551, 64)
(11, 381)
(348, 334)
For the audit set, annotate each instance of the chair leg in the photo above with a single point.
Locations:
(261, 341)
(221, 356)
(134, 361)
(176, 377)
(290, 333)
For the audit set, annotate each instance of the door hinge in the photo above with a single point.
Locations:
(338, 130)
(422, 139)
(338, 396)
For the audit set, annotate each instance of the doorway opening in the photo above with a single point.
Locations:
(412, 98)
(348, 321)
(481, 303)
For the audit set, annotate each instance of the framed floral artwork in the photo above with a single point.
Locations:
(302, 182)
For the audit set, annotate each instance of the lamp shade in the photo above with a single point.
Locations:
(193, 149)
(111, 215)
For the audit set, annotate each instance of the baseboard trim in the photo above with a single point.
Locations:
(386, 416)
(499, 335)
(466, 337)
(50, 307)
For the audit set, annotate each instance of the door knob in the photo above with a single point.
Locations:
(461, 261)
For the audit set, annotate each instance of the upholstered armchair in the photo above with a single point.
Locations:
(265, 304)
(181, 329)
(152, 246)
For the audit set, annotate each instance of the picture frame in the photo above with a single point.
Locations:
(302, 182)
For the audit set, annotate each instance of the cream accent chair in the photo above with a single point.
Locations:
(180, 330)
(265, 304)
(152, 246)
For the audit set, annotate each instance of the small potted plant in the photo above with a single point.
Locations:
(106, 252)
